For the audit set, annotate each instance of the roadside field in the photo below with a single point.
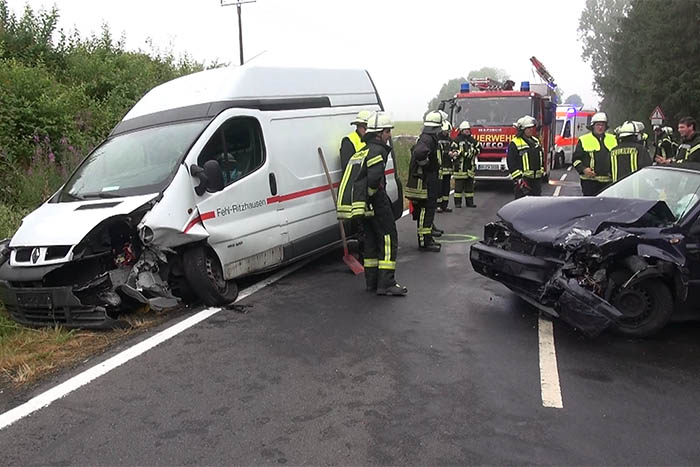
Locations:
(407, 128)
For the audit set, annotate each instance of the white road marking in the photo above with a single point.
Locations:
(569, 169)
(549, 374)
(57, 392)
(563, 177)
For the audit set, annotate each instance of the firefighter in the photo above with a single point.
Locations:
(468, 149)
(689, 148)
(381, 238)
(592, 156)
(666, 148)
(446, 156)
(630, 154)
(352, 143)
(422, 185)
(526, 159)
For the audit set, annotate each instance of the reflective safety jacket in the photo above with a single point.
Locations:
(352, 191)
(666, 148)
(424, 159)
(525, 158)
(590, 153)
(468, 149)
(349, 145)
(689, 150)
(627, 157)
(446, 162)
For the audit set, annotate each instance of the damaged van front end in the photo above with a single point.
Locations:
(592, 262)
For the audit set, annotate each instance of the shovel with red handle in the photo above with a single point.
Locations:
(348, 259)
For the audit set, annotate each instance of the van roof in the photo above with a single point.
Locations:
(250, 86)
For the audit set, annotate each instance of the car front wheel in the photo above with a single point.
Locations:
(646, 307)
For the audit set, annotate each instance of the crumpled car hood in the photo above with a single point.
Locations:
(67, 223)
(548, 219)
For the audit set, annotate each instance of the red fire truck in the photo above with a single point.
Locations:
(492, 108)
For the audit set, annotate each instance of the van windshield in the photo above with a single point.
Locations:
(135, 163)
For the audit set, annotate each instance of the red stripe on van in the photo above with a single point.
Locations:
(299, 194)
(200, 218)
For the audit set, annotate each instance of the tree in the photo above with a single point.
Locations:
(659, 67)
(597, 26)
(450, 88)
(574, 99)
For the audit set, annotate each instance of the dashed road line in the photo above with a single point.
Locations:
(557, 190)
(563, 177)
(569, 169)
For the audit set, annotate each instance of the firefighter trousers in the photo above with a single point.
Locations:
(424, 211)
(444, 196)
(464, 188)
(381, 244)
(592, 187)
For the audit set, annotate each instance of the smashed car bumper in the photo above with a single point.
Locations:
(538, 281)
(46, 306)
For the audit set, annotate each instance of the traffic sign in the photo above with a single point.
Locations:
(657, 116)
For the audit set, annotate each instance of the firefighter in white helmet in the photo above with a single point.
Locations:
(381, 238)
(422, 186)
(592, 156)
(526, 159)
(665, 146)
(630, 154)
(352, 142)
(468, 148)
(446, 154)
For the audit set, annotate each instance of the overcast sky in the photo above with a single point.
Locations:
(409, 48)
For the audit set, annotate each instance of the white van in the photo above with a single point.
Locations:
(208, 178)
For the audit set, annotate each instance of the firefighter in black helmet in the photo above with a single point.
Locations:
(526, 159)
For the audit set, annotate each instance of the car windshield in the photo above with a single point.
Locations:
(135, 163)
(493, 111)
(680, 189)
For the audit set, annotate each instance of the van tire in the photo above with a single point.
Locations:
(205, 276)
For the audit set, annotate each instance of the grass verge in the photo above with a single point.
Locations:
(407, 128)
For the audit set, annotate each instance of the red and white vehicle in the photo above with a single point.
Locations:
(492, 110)
(572, 122)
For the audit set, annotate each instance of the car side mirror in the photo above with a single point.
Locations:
(215, 178)
(197, 171)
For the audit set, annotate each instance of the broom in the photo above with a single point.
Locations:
(348, 259)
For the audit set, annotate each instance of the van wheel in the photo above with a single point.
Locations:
(206, 277)
(646, 308)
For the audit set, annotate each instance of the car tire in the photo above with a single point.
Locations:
(646, 306)
(205, 276)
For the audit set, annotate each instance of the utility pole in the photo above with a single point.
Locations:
(238, 4)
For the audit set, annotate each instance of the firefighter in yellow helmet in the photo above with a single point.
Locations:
(352, 142)
(526, 159)
(630, 154)
(592, 156)
(468, 148)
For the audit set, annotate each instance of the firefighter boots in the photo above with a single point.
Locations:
(429, 244)
(470, 203)
(387, 285)
(371, 277)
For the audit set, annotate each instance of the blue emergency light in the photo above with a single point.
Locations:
(525, 86)
(464, 87)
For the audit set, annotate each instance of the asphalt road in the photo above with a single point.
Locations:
(321, 372)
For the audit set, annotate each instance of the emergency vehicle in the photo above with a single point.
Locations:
(572, 122)
(492, 108)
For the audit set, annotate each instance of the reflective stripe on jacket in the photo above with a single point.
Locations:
(589, 154)
(524, 160)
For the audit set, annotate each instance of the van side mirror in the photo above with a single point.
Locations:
(197, 171)
(215, 179)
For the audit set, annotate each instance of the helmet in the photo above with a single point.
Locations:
(433, 118)
(599, 117)
(668, 130)
(362, 117)
(657, 127)
(444, 115)
(626, 129)
(639, 126)
(525, 122)
(464, 126)
(379, 121)
(446, 126)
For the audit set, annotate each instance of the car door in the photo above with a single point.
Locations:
(242, 223)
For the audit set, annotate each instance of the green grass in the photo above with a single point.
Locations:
(402, 156)
(407, 128)
(10, 218)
